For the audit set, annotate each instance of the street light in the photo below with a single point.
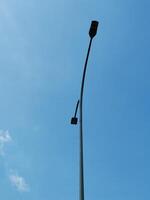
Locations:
(74, 120)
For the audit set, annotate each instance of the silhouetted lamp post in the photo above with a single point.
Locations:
(74, 120)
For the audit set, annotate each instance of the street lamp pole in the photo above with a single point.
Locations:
(92, 33)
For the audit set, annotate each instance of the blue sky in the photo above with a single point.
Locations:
(42, 51)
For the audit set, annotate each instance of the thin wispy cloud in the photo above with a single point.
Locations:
(19, 183)
(5, 138)
(6, 14)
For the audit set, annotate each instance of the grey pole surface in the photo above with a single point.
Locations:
(92, 33)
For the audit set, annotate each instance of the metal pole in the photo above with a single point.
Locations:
(74, 120)
(81, 178)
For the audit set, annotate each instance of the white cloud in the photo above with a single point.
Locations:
(19, 182)
(4, 139)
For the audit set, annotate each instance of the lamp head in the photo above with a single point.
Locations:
(74, 120)
(93, 28)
